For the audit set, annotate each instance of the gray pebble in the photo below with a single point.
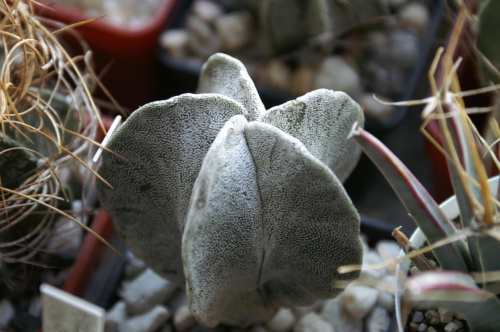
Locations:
(418, 317)
(146, 322)
(7, 312)
(134, 267)
(451, 327)
(147, 291)
(445, 315)
(432, 317)
(385, 301)
(115, 316)
(312, 323)
(378, 321)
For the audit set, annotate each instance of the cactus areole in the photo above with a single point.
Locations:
(243, 207)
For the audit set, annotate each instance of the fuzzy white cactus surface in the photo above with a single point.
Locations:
(243, 207)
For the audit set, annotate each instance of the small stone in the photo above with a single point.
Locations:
(147, 291)
(431, 329)
(414, 16)
(375, 109)
(370, 258)
(278, 75)
(336, 74)
(184, 319)
(7, 312)
(235, 30)
(432, 317)
(445, 315)
(203, 40)
(404, 49)
(341, 321)
(422, 327)
(451, 327)
(302, 80)
(115, 316)
(133, 267)
(299, 312)
(312, 323)
(208, 11)
(388, 249)
(146, 322)
(378, 321)
(358, 301)
(459, 323)
(282, 321)
(175, 42)
(460, 316)
(418, 317)
(385, 301)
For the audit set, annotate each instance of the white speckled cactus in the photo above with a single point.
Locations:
(243, 206)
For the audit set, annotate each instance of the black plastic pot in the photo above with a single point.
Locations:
(179, 76)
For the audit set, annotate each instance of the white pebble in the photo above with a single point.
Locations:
(146, 291)
(385, 301)
(147, 322)
(340, 320)
(184, 319)
(378, 321)
(133, 267)
(336, 74)
(282, 321)
(235, 30)
(312, 323)
(175, 42)
(358, 301)
(404, 49)
(414, 16)
(115, 316)
(208, 11)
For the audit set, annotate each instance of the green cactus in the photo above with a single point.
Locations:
(467, 278)
(240, 205)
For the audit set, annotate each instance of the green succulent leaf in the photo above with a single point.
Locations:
(457, 292)
(164, 144)
(269, 224)
(227, 76)
(321, 119)
(417, 201)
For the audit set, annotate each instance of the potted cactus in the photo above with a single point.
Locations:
(48, 126)
(461, 273)
(243, 208)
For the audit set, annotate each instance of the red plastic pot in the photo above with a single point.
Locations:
(124, 55)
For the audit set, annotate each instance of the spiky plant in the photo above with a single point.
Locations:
(467, 277)
(48, 121)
